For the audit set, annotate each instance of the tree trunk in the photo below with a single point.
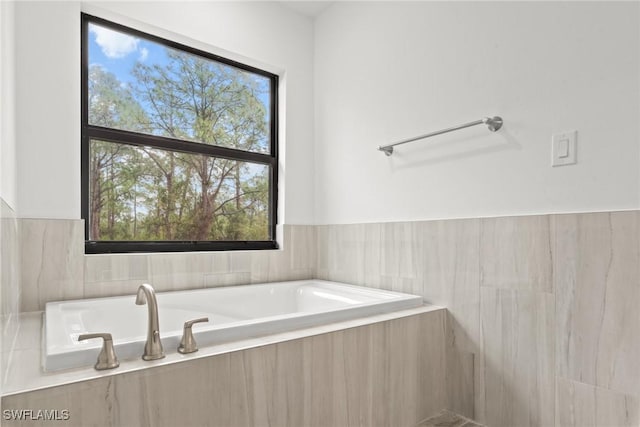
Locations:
(111, 203)
(96, 192)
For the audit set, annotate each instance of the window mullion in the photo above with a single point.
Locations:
(165, 143)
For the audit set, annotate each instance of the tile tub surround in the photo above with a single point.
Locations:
(9, 284)
(436, 259)
(555, 294)
(54, 267)
(542, 310)
(386, 373)
(9, 259)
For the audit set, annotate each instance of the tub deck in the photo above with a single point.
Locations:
(234, 313)
(24, 372)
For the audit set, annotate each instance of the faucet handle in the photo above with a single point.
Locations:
(188, 343)
(107, 358)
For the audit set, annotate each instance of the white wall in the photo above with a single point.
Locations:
(8, 183)
(48, 109)
(388, 71)
(48, 45)
(383, 71)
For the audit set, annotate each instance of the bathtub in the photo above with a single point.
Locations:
(235, 313)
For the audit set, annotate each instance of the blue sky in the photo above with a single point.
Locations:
(118, 52)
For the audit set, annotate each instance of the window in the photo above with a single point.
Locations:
(179, 146)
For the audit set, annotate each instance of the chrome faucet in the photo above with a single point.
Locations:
(153, 348)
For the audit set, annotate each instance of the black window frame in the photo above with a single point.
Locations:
(89, 132)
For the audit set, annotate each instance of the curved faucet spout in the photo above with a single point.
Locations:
(153, 347)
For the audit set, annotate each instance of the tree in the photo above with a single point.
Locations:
(110, 105)
(144, 193)
(205, 102)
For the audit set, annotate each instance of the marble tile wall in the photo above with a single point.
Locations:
(516, 371)
(2, 284)
(583, 405)
(387, 373)
(542, 310)
(597, 289)
(55, 268)
(436, 259)
(543, 319)
(52, 253)
(597, 284)
(9, 283)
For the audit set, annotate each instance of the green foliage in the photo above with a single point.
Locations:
(143, 193)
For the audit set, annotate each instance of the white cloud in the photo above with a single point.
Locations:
(113, 43)
(144, 52)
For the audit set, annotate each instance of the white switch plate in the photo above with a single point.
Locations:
(563, 148)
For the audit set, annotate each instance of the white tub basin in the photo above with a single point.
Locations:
(234, 312)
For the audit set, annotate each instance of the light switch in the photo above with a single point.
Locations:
(563, 148)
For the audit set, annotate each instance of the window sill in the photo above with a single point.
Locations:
(120, 247)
